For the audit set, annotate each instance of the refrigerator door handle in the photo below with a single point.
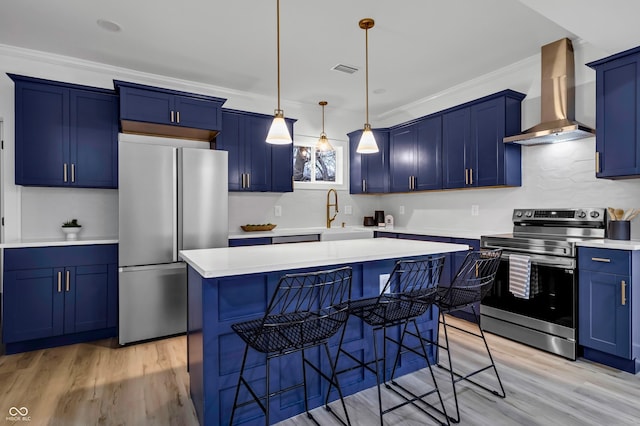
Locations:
(176, 214)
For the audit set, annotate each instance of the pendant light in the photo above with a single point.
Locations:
(367, 144)
(323, 143)
(278, 132)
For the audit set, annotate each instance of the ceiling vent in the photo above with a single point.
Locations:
(345, 68)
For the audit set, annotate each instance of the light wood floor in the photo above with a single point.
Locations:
(147, 384)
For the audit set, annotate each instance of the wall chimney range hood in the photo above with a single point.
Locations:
(557, 100)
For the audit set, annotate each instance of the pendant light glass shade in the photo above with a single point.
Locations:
(367, 144)
(278, 132)
(323, 143)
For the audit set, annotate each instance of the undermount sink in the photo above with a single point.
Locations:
(336, 234)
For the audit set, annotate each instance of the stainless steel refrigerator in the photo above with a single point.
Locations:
(170, 198)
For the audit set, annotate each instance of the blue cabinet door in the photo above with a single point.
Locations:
(617, 117)
(487, 132)
(369, 173)
(456, 134)
(230, 140)
(93, 151)
(429, 154)
(604, 321)
(197, 113)
(42, 134)
(282, 165)
(148, 106)
(33, 304)
(402, 158)
(87, 302)
(258, 153)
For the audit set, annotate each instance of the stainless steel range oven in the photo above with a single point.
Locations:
(548, 317)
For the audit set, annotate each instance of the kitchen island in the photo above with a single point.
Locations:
(229, 285)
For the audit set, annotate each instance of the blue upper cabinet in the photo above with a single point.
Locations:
(255, 165)
(618, 115)
(164, 112)
(473, 152)
(369, 173)
(415, 152)
(66, 135)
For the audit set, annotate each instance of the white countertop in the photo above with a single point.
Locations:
(222, 262)
(58, 242)
(436, 232)
(611, 244)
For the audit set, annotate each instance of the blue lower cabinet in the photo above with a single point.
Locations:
(241, 242)
(59, 295)
(607, 307)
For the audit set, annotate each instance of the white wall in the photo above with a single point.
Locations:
(553, 175)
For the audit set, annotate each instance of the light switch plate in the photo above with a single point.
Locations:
(475, 210)
(383, 282)
(348, 210)
(401, 210)
(277, 211)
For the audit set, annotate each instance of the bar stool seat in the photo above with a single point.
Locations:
(304, 312)
(408, 293)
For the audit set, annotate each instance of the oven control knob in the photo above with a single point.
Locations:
(595, 214)
(582, 214)
(518, 213)
(529, 213)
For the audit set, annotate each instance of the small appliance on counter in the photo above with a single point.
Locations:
(369, 221)
(379, 217)
(388, 221)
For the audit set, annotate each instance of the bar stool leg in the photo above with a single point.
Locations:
(502, 393)
(334, 377)
(304, 383)
(235, 399)
(450, 369)
(268, 403)
(375, 355)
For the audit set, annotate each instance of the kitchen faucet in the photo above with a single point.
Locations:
(329, 204)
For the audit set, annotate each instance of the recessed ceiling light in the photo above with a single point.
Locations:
(107, 25)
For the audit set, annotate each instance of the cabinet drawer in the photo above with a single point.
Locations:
(50, 257)
(604, 260)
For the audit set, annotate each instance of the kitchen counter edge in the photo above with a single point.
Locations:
(57, 242)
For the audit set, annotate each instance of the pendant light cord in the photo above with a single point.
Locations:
(278, 49)
(366, 61)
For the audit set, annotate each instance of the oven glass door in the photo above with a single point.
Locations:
(553, 301)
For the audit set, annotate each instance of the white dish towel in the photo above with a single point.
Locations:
(520, 276)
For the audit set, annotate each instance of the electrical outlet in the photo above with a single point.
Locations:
(348, 210)
(475, 210)
(401, 209)
(277, 211)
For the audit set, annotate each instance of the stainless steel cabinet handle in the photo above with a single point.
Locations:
(248, 180)
(470, 176)
(601, 259)
(623, 290)
(410, 182)
(172, 116)
(243, 181)
(59, 282)
(73, 172)
(597, 162)
(178, 117)
(64, 172)
(466, 176)
(67, 281)
(364, 185)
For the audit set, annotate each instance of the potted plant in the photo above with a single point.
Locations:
(71, 229)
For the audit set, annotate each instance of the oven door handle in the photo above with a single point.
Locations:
(551, 261)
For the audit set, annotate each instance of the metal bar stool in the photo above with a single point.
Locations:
(471, 284)
(304, 312)
(408, 293)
